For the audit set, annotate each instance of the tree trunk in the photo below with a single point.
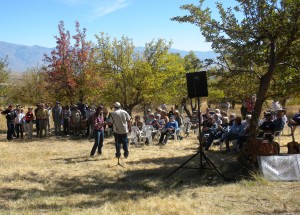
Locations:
(262, 91)
(183, 102)
(283, 102)
(128, 109)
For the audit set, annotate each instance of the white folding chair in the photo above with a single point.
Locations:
(146, 133)
(135, 135)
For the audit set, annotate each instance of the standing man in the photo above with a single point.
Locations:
(10, 119)
(57, 116)
(37, 123)
(121, 125)
(42, 117)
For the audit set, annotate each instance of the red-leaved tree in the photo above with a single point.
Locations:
(71, 68)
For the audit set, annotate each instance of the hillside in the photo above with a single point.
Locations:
(21, 57)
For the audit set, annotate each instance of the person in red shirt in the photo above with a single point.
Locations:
(98, 130)
(29, 122)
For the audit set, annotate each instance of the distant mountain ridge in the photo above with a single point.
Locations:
(22, 57)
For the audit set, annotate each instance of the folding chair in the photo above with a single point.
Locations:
(146, 133)
(134, 135)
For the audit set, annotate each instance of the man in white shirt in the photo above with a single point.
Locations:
(275, 106)
(121, 126)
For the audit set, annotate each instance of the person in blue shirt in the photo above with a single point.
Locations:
(279, 123)
(168, 130)
(217, 133)
(295, 121)
(236, 130)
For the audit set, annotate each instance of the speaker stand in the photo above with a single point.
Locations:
(201, 154)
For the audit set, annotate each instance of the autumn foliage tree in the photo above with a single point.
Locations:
(60, 67)
(70, 67)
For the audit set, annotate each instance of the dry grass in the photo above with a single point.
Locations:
(57, 176)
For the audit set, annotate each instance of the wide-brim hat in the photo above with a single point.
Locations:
(117, 104)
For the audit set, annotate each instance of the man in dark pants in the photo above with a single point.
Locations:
(121, 125)
(37, 123)
(10, 118)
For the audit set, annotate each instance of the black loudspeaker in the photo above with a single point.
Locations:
(197, 84)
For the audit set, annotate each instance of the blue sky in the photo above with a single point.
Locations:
(35, 22)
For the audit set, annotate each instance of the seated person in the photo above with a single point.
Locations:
(146, 117)
(137, 122)
(217, 133)
(179, 120)
(150, 119)
(231, 119)
(168, 130)
(164, 117)
(206, 114)
(295, 121)
(236, 130)
(279, 122)
(267, 126)
(243, 138)
(208, 125)
(157, 111)
(218, 119)
(284, 117)
(157, 123)
(194, 122)
(171, 112)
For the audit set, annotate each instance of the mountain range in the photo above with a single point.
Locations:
(22, 57)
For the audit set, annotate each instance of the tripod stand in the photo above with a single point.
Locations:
(200, 152)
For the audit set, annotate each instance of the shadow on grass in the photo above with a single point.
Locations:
(73, 160)
(127, 185)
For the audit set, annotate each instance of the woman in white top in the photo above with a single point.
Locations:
(19, 123)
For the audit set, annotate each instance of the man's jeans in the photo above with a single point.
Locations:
(10, 130)
(121, 139)
(57, 127)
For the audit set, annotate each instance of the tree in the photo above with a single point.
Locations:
(192, 62)
(71, 68)
(4, 77)
(88, 82)
(135, 78)
(32, 88)
(60, 68)
(266, 36)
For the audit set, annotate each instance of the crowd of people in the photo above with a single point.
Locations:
(234, 128)
(81, 119)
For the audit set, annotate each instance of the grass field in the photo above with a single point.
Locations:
(57, 176)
